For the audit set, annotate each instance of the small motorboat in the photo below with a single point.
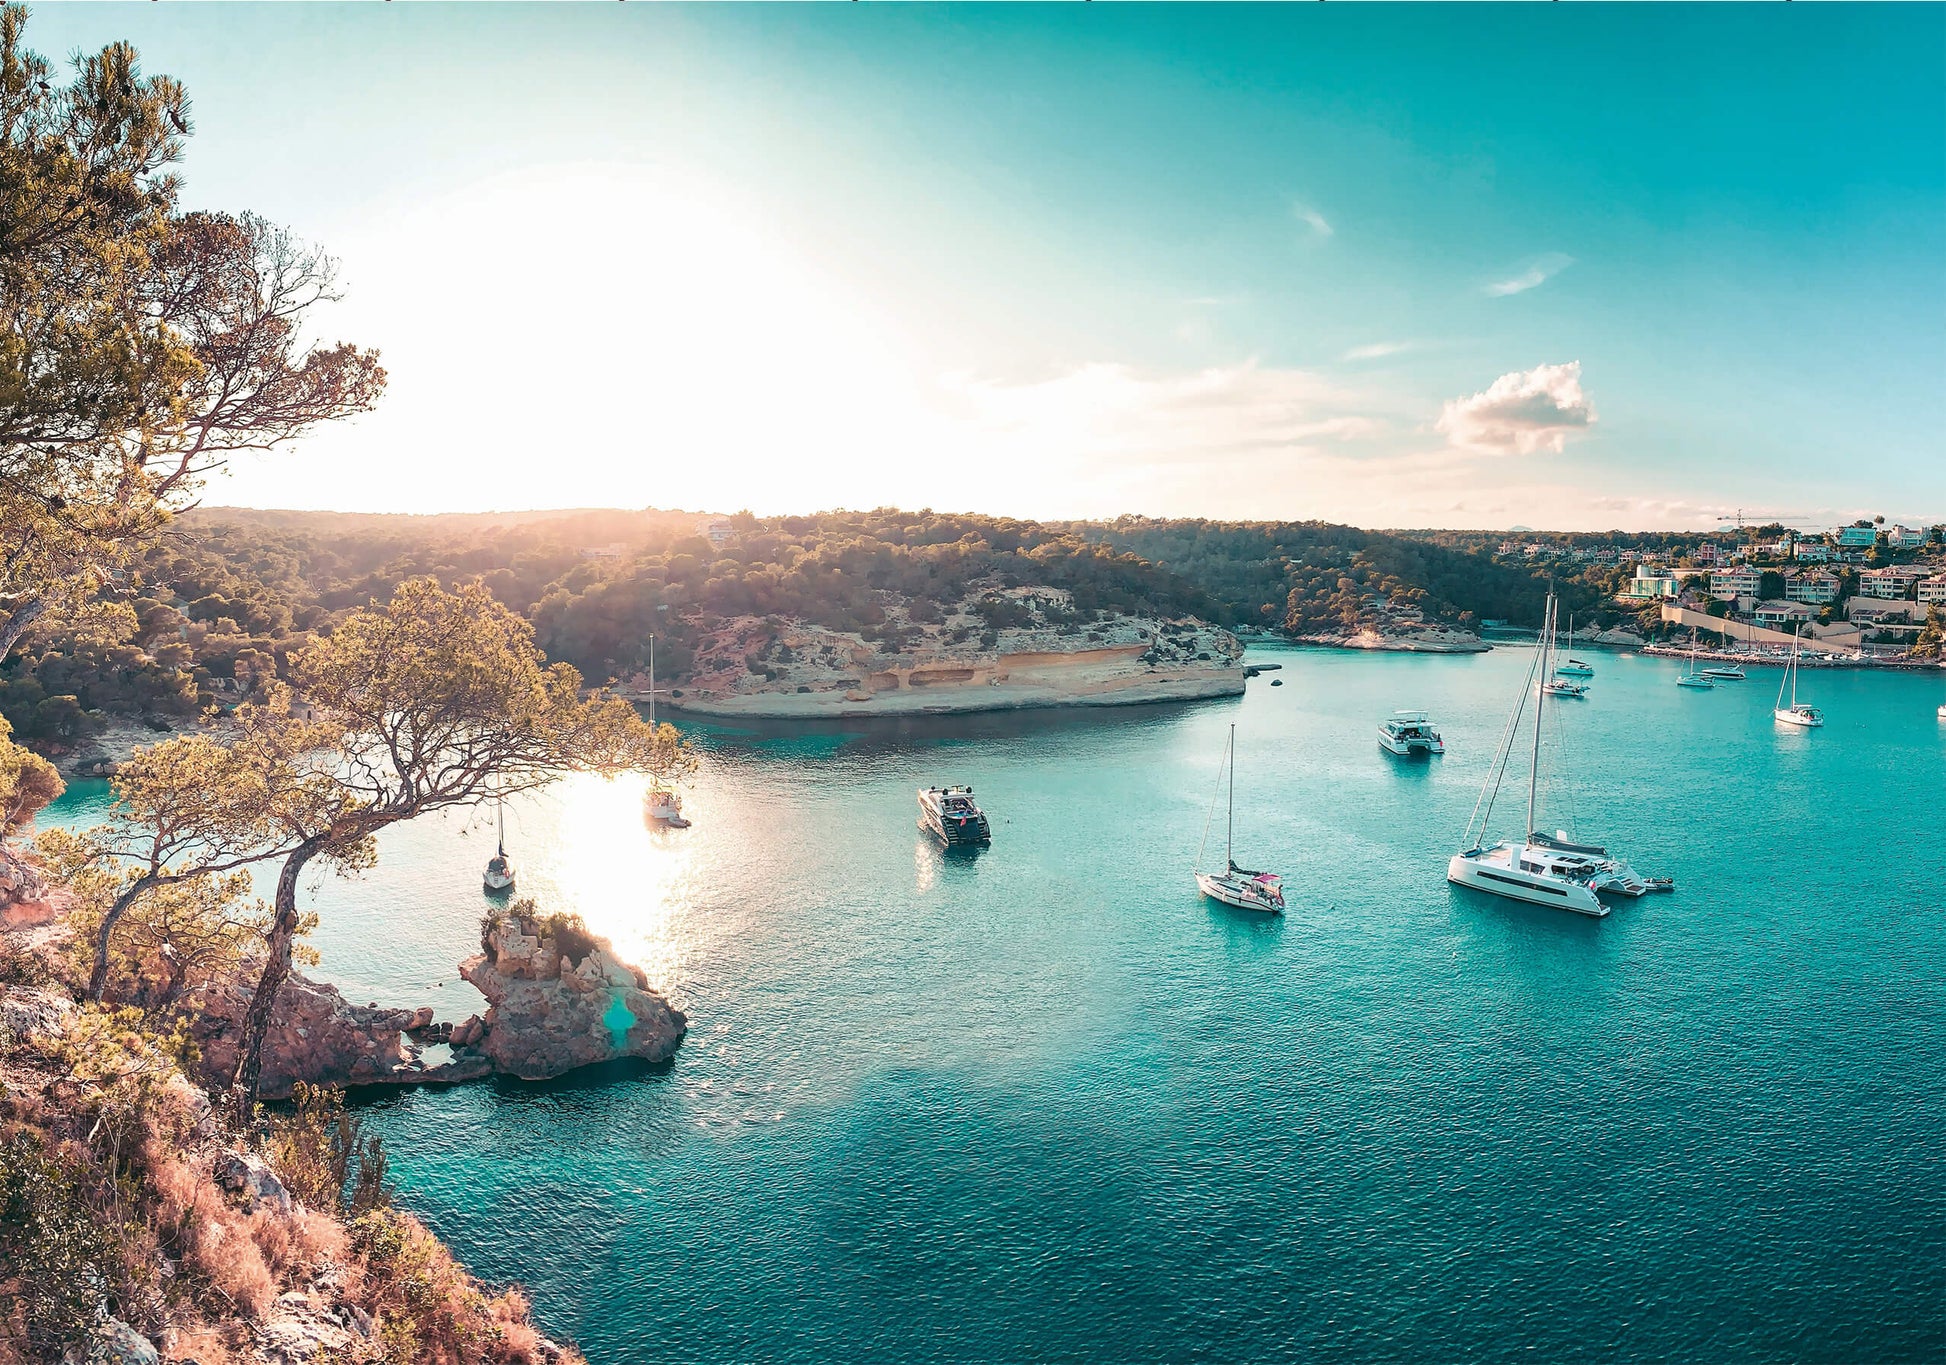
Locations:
(663, 806)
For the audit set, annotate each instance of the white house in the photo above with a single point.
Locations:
(1812, 552)
(1726, 585)
(1814, 587)
(1933, 589)
(1882, 583)
(1783, 615)
(1860, 610)
(1652, 583)
(1905, 538)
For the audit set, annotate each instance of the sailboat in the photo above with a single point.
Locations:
(1234, 885)
(1692, 678)
(661, 805)
(1797, 713)
(1538, 868)
(499, 879)
(1574, 668)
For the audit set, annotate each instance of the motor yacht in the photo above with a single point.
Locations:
(1410, 733)
(953, 815)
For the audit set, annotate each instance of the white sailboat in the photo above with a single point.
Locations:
(1573, 667)
(1538, 868)
(1797, 713)
(1237, 886)
(499, 878)
(1692, 678)
(660, 804)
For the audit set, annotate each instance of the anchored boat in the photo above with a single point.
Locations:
(952, 814)
(499, 878)
(1410, 733)
(1538, 868)
(661, 805)
(1797, 713)
(1237, 886)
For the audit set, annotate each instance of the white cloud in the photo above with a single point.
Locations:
(1521, 413)
(1537, 272)
(1378, 350)
(1312, 219)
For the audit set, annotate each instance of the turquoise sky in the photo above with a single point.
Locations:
(1574, 265)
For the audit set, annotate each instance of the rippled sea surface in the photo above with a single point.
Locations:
(1045, 1104)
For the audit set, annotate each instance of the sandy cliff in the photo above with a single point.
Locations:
(1050, 657)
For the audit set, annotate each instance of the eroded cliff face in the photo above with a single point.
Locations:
(1046, 654)
(559, 999)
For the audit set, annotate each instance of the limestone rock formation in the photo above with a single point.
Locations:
(318, 1036)
(561, 999)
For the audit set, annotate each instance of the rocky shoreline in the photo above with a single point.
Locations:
(1048, 654)
(558, 999)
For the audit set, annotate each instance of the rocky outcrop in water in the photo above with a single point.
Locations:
(561, 999)
(319, 1037)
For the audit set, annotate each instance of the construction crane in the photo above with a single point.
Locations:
(1743, 519)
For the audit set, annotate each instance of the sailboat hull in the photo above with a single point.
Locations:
(1496, 879)
(1237, 892)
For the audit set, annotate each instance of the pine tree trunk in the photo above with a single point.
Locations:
(277, 970)
(98, 980)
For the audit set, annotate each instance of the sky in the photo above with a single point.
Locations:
(1573, 266)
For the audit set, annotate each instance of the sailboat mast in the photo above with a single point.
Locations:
(1540, 708)
(652, 682)
(500, 816)
(1230, 824)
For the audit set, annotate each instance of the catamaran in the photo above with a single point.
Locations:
(1234, 885)
(1797, 713)
(1692, 678)
(1540, 869)
(661, 805)
(1409, 733)
(499, 878)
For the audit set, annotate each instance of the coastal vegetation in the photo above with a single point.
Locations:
(141, 347)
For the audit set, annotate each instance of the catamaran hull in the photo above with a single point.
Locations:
(1214, 887)
(1411, 748)
(1519, 886)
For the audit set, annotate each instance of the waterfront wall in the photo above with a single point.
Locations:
(1743, 630)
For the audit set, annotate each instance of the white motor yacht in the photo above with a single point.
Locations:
(1724, 673)
(1237, 886)
(1540, 869)
(1410, 733)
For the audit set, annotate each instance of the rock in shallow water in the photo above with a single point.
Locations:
(561, 999)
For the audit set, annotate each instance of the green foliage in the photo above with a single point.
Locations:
(28, 783)
(58, 1253)
(320, 1149)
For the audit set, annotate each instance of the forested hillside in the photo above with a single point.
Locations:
(1313, 577)
(223, 599)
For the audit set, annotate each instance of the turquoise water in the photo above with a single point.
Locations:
(1043, 1103)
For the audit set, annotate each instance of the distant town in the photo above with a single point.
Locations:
(1866, 588)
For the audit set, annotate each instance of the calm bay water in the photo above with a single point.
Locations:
(1044, 1103)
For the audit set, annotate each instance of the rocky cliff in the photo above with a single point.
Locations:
(998, 650)
(560, 999)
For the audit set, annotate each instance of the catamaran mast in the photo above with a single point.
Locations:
(1540, 709)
